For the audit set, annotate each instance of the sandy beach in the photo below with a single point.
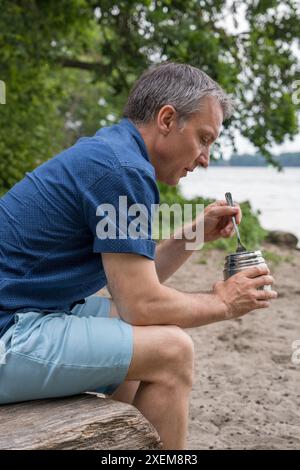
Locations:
(246, 392)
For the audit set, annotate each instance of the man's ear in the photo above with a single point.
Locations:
(166, 118)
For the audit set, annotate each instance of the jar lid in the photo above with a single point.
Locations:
(244, 255)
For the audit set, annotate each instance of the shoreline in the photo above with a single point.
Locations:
(272, 195)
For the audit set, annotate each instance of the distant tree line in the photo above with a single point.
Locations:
(284, 160)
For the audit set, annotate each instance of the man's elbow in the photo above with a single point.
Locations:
(139, 314)
(135, 316)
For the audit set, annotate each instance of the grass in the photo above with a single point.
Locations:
(274, 259)
(201, 260)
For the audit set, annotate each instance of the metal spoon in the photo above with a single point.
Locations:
(240, 246)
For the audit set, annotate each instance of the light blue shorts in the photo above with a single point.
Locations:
(57, 354)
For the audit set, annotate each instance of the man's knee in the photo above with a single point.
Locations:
(162, 353)
(178, 354)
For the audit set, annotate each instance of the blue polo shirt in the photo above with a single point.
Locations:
(56, 222)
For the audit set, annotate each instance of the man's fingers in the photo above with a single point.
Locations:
(221, 208)
(263, 298)
(226, 211)
(255, 271)
(262, 304)
(266, 295)
(264, 280)
(228, 232)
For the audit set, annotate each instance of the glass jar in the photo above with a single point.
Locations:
(236, 262)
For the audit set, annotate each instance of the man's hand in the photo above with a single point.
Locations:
(217, 220)
(240, 292)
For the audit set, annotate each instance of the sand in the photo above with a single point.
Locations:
(246, 393)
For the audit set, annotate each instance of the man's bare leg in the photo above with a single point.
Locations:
(127, 390)
(163, 361)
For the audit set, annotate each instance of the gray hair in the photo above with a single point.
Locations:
(180, 85)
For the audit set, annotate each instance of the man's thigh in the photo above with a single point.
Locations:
(60, 354)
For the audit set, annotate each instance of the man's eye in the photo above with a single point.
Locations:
(204, 141)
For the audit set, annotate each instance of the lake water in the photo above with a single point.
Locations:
(276, 195)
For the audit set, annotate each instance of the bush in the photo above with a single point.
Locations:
(252, 233)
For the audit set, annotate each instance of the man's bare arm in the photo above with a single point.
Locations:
(212, 223)
(142, 300)
(170, 255)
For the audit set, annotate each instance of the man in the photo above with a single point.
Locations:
(60, 339)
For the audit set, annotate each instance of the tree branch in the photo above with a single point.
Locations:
(78, 64)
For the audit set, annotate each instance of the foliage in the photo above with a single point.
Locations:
(252, 233)
(69, 65)
(32, 125)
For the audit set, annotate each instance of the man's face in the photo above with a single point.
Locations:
(181, 147)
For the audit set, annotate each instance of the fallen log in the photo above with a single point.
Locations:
(79, 422)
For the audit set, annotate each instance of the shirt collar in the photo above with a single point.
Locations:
(132, 129)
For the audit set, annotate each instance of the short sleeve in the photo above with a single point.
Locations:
(119, 210)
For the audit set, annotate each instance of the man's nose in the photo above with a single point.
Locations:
(204, 158)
